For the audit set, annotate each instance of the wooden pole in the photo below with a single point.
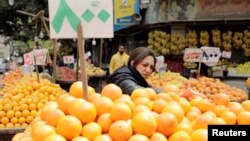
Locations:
(29, 14)
(37, 73)
(81, 52)
(54, 60)
(199, 67)
(101, 46)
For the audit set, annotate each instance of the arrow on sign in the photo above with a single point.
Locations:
(62, 12)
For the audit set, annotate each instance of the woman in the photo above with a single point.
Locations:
(141, 64)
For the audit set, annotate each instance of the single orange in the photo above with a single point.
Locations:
(142, 121)
(111, 91)
(120, 130)
(246, 105)
(167, 123)
(140, 92)
(120, 111)
(199, 135)
(41, 132)
(76, 89)
(103, 105)
(105, 122)
(64, 102)
(229, 117)
(91, 130)
(171, 88)
(175, 109)
(158, 137)
(85, 111)
(243, 117)
(69, 123)
(221, 99)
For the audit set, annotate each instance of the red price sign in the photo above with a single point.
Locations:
(192, 55)
(68, 59)
(28, 59)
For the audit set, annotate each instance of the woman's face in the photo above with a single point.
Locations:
(146, 67)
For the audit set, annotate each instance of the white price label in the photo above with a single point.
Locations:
(68, 59)
(226, 54)
(211, 55)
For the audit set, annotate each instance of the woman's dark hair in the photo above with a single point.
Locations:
(138, 54)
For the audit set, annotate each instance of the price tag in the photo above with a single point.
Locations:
(226, 54)
(41, 56)
(192, 55)
(211, 55)
(28, 59)
(68, 59)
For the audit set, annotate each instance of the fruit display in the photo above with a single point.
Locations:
(191, 38)
(246, 44)
(159, 41)
(241, 68)
(210, 87)
(227, 40)
(66, 74)
(178, 43)
(204, 38)
(9, 80)
(216, 37)
(91, 70)
(159, 80)
(144, 115)
(20, 105)
(237, 40)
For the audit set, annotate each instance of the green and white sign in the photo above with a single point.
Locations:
(96, 17)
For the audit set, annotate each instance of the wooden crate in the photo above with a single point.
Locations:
(6, 134)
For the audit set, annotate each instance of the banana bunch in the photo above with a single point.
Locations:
(178, 43)
(191, 38)
(237, 40)
(204, 38)
(246, 44)
(216, 37)
(159, 41)
(227, 39)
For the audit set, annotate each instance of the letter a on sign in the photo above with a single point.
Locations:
(96, 17)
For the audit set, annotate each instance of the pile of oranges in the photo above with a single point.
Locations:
(143, 116)
(212, 86)
(20, 105)
(10, 79)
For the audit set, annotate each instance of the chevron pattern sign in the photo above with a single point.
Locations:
(96, 17)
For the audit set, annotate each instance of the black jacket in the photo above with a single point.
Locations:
(128, 79)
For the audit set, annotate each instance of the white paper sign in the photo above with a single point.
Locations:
(96, 17)
(226, 54)
(40, 56)
(87, 55)
(211, 55)
(68, 59)
(192, 55)
(160, 66)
